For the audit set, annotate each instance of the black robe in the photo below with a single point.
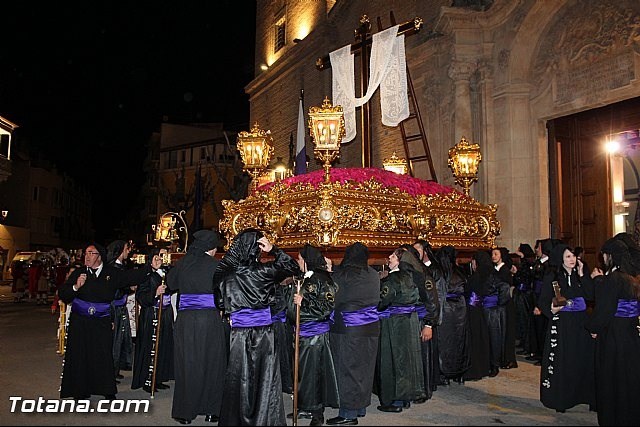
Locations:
(453, 335)
(480, 343)
(496, 318)
(88, 367)
(428, 318)
(617, 350)
(122, 339)
(567, 377)
(399, 366)
(253, 386)
(283, 333)
(355, 348)
(200, 347)
(317, 381)
(142, 367)
(523, 301)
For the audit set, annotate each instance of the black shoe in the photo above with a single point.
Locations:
(406, 404)
(493, 372)
(109, 397)
(117, 382)
(538, 363)
(183, 420)
(301, 414)
(389, 408)
(119, 377)
(531, 357)
(210, 418)
(337, 421)
(148, 388)
(161, 386)
(444, 381)
(522, 352)
(510, 365)
(316, 421)
(420, 400)
(562, 411)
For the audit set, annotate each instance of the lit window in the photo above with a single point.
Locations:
(280, 33)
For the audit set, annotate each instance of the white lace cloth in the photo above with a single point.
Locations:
(387, 69)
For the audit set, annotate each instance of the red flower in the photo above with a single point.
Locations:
(406, 183)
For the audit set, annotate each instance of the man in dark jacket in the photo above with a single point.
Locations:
(200, 348)
(88, 364)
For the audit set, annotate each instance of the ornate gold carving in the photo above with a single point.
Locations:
(367, 212)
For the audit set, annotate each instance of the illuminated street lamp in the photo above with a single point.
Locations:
(326, 125)
(464, 159)
(256, 149)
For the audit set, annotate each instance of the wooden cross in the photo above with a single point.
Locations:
(362, 47)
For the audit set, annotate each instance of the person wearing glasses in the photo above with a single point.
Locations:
(88, 362)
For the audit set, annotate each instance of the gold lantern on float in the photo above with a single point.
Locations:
(464, 158)
(395, 164)
(326, 125)
(256, 149)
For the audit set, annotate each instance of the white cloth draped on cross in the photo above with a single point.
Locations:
(387, 69)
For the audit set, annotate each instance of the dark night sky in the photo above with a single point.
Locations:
(88, 82)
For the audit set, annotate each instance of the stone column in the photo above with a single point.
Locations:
(460, 72)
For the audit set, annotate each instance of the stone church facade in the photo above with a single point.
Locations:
(495, 72)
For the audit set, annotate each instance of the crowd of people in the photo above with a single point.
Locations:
(400, 332)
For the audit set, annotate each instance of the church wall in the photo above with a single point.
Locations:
(498, 76)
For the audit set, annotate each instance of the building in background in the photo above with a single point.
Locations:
(542, 86)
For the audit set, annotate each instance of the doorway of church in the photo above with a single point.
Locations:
(594, 159)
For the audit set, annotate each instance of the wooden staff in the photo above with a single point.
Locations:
(62, 330)
(298, 281)
(157, 343)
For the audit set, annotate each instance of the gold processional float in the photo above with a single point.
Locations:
(335, 207)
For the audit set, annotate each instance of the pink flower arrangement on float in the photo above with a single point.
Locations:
(406, 183)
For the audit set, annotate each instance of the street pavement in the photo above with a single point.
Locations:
(30, 368)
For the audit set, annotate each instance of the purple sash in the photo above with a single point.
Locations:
(311, 329)
(490, 301)
(421, 310)
(91, 309)
(524, 287)
(196, 302)
(397, 310)
(385, 314)
(575, 304)
(475, 300)
(279, 317)
(628, 308)
(120, 301)
(364, 316)
(251, 317)
(166, 300)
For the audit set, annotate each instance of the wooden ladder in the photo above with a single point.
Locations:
(416, 154)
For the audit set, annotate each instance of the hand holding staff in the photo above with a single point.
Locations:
(154, 350)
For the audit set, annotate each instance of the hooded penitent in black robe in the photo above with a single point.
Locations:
(453, 334)
(122, 339)
(88, 361)
(567, 377)
(428, 310)
(355, 348)
(480, 348)
(200, 346)
(253, 387)
(399, 366)
(615, 321)
(496, 289)
(317, 382)
(147, 326)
